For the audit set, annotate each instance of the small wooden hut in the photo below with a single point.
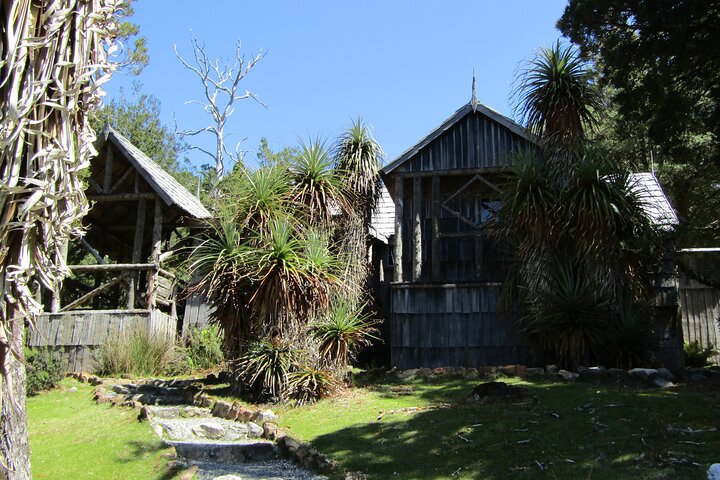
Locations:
(447, 274)
(138, 209)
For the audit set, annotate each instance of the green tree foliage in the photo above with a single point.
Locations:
(138, 119)
(134, 46)
(661, 60)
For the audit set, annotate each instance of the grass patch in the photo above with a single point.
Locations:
(426, 429)
(72, 437)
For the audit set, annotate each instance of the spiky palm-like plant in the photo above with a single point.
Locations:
(357, 156)
(557, 99)
(344, 330)
(317, 190)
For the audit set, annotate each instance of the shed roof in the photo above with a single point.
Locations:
(382, 223)
(655, 203)
(470, 107)
(161, 182)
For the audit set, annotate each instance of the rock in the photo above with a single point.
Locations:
(551, 369)
(617, 372)
(94, 380)
(714, 472)
(189, 473)
(145, 414)
(509, 370)
(662, 383)
(592, 374)
(290, 444)
(534, 371)
(254, 430)
(566, 375)
(490, 392)
(325, 465)
(127, 376)
(221, 409)
(472, 373)
(264, 416)
(73, 390)
(406, 374)
(269, 430)
(665, 373)
(245, 414)
(643, 373)
(424, 372)
(212, 431)
(439, 370)
(121, 389)
(227, 477)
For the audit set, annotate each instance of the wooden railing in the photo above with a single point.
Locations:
(160, 284)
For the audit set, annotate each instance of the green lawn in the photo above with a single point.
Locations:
(72, 437)
(425, 429)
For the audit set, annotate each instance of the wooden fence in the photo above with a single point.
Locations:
(77, 335)
(700, 307)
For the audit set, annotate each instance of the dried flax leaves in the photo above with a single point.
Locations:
(54, 59)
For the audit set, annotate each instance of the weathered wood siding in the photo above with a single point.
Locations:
(700, 309)
(437, 325)
(475, 141)
(197, 313)
(77, 335)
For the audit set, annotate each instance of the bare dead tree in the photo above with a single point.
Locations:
(221, 89)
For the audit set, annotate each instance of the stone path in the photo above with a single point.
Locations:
(222, 449)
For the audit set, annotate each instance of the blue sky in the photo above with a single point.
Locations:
(404, 66)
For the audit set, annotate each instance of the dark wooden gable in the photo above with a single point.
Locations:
(471, 138)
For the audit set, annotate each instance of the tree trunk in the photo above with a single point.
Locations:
(14, 447)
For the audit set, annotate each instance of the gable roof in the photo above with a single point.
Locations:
(470, 107)
(164, 185)
(655, 203)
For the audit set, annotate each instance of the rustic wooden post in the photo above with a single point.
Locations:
(436, 265)
(155, 255)
(417, 228)
(137, 250)
(107, 180)
(55, 305)
(399, 204)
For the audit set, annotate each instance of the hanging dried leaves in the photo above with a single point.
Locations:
(54, 59)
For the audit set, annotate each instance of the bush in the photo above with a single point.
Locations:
(344, 331)
(630, 336)
(202, 352)
(310, 383)
(697, 356)
(138, 353)
(264, 368)
(43, 370)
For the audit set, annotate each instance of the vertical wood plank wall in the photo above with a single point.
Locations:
(77, 336)
(700, 308)
(436, 325)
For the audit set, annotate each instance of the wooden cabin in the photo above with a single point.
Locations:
(139, 214)
(447, 274)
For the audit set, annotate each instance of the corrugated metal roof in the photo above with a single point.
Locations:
(162, 182)
(656, 204)
(448, 124)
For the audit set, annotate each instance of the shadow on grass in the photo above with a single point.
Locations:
(572, 431)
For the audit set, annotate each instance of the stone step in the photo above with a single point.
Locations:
(225, 452)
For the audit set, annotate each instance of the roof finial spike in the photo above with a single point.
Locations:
(473, 99)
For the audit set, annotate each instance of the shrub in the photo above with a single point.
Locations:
(344, 331)
(43, 370)
(696, 355)
(137, 353)
(202, 351)
(264, 368)
(310, 383)
(629, 337)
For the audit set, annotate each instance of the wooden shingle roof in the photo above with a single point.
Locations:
(164, 185)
